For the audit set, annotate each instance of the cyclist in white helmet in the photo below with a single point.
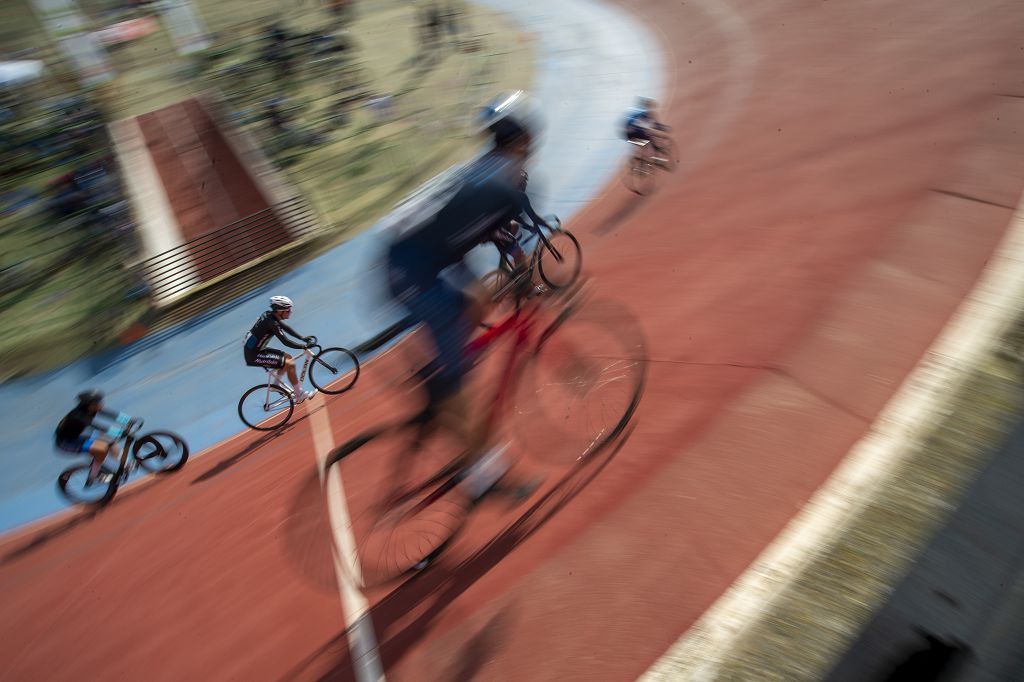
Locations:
(271, 324)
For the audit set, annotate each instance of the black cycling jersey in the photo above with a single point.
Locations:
(76, 422)
(486, 202)
(267, 326)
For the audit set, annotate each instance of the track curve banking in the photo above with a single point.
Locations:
(847, 171)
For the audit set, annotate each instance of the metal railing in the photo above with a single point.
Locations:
(223, 251)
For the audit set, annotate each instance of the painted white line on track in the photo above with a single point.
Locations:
(362, 641)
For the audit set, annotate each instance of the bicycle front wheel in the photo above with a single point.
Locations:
(560, 265)
(73, 484)
(265, 407)
(160, 452)
(334, 370)
(582, 384)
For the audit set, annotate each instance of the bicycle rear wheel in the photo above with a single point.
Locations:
(160, 452)
(582, 384)
(265, 407)
(334, 370)
(72, 484)
(560, 266)
(640, 175)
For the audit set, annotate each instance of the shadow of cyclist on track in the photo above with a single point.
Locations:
(430, 592)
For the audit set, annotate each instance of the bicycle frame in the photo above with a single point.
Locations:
(276, 377)
(519, 322)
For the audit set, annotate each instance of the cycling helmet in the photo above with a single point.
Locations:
(280, 303)
(90, 397)
(508, 118)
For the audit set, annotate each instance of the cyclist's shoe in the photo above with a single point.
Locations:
(302, 396)
(483, 474)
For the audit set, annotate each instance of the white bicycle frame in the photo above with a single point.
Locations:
(276, 378)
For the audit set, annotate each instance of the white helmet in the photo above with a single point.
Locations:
(280, 303)
(508, 117)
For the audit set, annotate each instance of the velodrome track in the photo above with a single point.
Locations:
(848, 171)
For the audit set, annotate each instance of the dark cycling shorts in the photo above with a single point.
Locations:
(270, 358)
(637, 133)
(80, 444)
(440, 307)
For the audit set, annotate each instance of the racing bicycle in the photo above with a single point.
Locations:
(156, 452)
(556, 258)
(269, 406)
(649, 157)
(570, 376)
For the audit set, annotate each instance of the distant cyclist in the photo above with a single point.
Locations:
(642, 125)
(271, 324)
(78, 431)
(488, 199)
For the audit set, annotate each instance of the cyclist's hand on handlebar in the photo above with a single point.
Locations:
(123, 419)
(310, 341)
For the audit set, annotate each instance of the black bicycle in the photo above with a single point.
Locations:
(557, 258)
(157, 452)
(269, 406)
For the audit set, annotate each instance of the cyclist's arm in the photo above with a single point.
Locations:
(283, 339)
(115, 418)
(526, 210)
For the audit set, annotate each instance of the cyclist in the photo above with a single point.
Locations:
(78, 432)
(642, 123)
(489, 197)
(271, 324)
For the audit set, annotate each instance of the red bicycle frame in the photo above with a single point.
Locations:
(521, 323)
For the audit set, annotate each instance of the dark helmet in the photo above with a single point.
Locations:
(90, 397)
(509, 117)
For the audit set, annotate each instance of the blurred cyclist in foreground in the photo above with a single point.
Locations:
(491, 195)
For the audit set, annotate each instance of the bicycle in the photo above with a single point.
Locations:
(412, 526)
(269, 406)
(157, 452)
(648, 157)
(557, 259)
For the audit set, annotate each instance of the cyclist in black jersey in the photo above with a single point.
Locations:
(78, 431)
(270, 325)
(489, 198)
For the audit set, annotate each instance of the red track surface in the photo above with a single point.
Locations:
(858, 166)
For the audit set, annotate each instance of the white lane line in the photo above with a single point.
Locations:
(984, 315)
(362, 642)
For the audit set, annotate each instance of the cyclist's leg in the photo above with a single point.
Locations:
(98, 449)
(275, 360)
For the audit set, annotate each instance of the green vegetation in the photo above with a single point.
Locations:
(67, 288)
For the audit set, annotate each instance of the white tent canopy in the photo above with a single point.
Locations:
(15, 73)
